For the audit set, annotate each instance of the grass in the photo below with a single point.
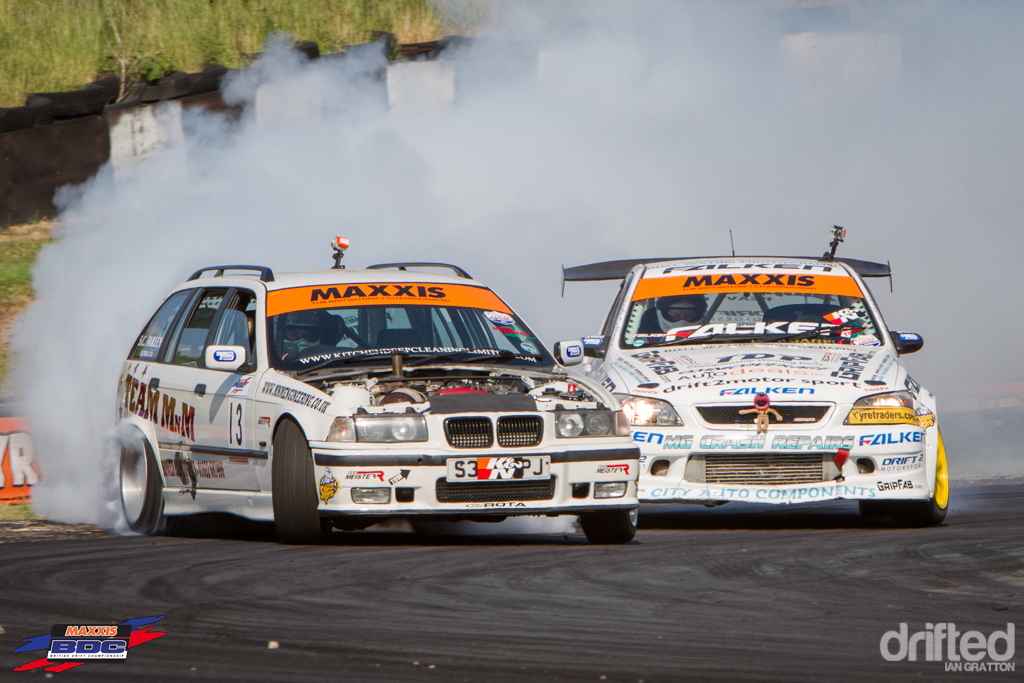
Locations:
(19, 247)
(12, 512)
(55, 45)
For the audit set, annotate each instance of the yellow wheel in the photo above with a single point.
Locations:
(929, 512)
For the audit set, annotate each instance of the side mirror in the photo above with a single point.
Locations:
(228, 358)
(594, 347)
(569, 352)
(906, 342)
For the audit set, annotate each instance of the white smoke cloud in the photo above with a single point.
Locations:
(639, 130)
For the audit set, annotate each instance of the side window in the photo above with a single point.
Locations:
(149, 342)
(238, 323)
(192, 342)
(610, 320)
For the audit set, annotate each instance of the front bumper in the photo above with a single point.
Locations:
(679, 465)
(415, 484)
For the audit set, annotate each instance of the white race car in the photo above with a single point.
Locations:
(768, 380)
(343, 397)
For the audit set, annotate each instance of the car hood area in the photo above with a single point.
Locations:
(715, 373)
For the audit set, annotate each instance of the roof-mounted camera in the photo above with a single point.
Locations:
(339, 245)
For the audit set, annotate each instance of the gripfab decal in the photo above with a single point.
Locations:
(398, 293)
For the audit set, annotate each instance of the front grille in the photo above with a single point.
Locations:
(520, 431)
(495, 491)
(791, 414)
(468, 432)
(763, 469)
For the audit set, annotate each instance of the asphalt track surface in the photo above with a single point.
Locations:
(770, 594)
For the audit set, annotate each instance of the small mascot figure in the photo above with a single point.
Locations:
(761, 407)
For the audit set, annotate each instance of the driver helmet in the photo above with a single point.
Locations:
(301, 330)
(681, 311)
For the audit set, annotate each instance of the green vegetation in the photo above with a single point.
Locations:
(18, 250)
(10, 512)
(54, 45)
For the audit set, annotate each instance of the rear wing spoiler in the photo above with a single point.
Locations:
(616, 270)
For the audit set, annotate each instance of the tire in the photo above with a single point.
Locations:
(174, 84)
(207, 80)
(84, 102)
(931, 512)
(38, 111)
(293, 489)
(609, 526)
(141, 489)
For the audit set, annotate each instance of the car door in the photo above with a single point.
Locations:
(226, 440)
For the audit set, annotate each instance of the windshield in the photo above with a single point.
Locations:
(313, 327)
(677, 306)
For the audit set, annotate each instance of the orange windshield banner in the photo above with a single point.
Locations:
(383, 294)
(746, 281)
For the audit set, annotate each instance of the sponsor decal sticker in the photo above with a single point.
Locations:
(240, 387)
(889, 439)
(296, 396)
(674, 281)
(887, 416)
(402, 293)
(622, 468)
(366, 475)
(925, 417)
(401, 476)
(499, 318)
(162, 410)
(328, 485)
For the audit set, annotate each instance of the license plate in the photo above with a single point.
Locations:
(502, 468)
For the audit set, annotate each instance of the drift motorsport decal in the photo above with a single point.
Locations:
(881, 416)
(903, 463)
(71, 645)
(328, 485)
(676, 281)
(377, 294)
(295, 396)
(162, 410)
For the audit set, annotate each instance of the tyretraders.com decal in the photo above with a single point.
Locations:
(369, 294)
(759, 281)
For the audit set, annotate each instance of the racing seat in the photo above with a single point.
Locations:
(801, 313)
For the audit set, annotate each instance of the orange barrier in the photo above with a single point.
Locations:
(19, 471)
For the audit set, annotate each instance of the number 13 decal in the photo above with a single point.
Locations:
(235, 424)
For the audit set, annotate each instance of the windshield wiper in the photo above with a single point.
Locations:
(474, 356)
(370, 354)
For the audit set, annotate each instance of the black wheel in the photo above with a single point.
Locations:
(609, 526)
(141, 488)
(294, 489)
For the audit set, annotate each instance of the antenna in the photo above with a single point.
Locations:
(732, 244)
(340, 245)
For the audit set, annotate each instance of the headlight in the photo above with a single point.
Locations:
(586, 423)
(892, 408)
(379, 429)
(640, 410)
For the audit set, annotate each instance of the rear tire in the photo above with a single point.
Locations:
(141, 488)
(607, 527)
(294, 493)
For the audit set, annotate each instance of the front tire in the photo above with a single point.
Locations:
(929, 512)
(141, 488)
(294, 493)
(608, 527)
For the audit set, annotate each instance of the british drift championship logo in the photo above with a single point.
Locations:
(71, 645)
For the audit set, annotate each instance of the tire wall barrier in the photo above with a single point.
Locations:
(64, 138)
(18, 470)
